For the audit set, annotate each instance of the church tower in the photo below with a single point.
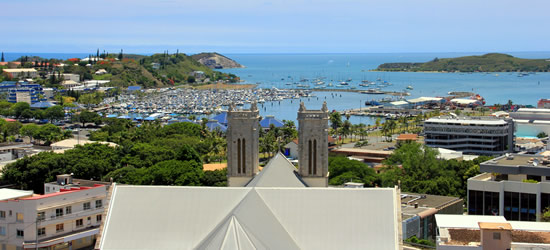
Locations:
(313, 145)
(242, 145)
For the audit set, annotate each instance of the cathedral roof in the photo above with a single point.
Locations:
(173, 217)
(279, 172)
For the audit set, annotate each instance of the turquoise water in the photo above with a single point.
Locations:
(276, 70)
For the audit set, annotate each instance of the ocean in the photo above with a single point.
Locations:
(279, 70)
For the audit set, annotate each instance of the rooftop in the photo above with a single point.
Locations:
(19, 70)
(494, 225)
(405, 137)
(148, 217)
(8, 194)
(428, 200)
(61, 192)
(481, 120)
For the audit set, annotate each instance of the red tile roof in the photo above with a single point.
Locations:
(61, 192)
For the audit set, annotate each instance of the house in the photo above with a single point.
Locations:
(462, 232)
(67, 218)
(406, 138)
(101, 72)
(71, 143)
(418, 213)
(21, 73)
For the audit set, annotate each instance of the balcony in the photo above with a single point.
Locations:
(46, 241)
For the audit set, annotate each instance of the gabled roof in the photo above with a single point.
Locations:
(221, 118)
(213, 125)
(172, 217)
(279, 172)
(268, 120)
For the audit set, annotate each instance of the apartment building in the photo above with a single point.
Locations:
(471, 135)
(67, 219)
(515, 186)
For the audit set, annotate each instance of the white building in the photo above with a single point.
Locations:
(515, 186)
(473, 135)
(61, 220)
(21, 73)
(532, 121)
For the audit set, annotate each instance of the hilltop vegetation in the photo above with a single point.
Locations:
(127, 70)
(492, 62)
(216, 61)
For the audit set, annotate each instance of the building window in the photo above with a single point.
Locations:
(68, 210)
(86, 205)
(59, 228)
(2, 231)
(47, 189)
(2, 214)
(98, 203)
(98, 218)
(20, 217)
(41, 216)
(79, 223)
(20, 233)
(58, 212)
(42, 231)
(496, 235)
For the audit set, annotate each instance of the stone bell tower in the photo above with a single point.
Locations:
(313, 145)
(242, 145)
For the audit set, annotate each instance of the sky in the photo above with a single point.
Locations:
(286, 26)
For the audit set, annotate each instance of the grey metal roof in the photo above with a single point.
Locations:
(161, 217)
(279, 172)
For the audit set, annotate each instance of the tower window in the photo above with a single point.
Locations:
(314, 157)
(244, 156)
(309, 163)
(239, 156)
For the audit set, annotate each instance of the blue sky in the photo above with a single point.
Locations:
(294, 26)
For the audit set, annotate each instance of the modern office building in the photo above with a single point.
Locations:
(516, 186)
(471, 135)
(22, 92)
(66, 219)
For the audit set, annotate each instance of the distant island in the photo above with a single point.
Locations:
(492, 62)
(216, 61)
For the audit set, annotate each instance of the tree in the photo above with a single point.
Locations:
(18, 108)
(27, 113)
(120, 55)
(55, 113)
(29, 130)
(335, 120)
(344, 170)
(546, 215)
(86, 117)
(542, 135)
(49, 133)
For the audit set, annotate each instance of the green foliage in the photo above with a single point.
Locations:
(86, 117)
(415, 240)
(18, 108)
(216, 178)
(55, 113)
(419, 171)
(542, 135)
(530, 181)
(492, 62)
(29, 130)
(49, 133)
(546, 215)
(344, 170)
(335, 120)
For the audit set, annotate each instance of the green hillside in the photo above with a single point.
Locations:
(493, 62)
